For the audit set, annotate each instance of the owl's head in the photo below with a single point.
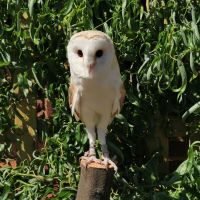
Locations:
(90, 53)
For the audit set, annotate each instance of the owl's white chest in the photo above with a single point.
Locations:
(98, 96)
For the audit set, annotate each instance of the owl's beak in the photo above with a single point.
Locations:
(91, 67)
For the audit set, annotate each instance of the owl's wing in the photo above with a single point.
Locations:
(119, 100)
(74, 100)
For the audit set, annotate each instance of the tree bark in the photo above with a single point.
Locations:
(95, 182)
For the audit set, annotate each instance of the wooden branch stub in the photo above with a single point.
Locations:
(95, 182)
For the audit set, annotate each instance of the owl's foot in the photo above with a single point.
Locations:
(109, 163)
(89, 153)
(88, 160)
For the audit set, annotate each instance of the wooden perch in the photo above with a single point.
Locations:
(95, 182)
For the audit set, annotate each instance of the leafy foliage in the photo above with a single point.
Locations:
(158, 47)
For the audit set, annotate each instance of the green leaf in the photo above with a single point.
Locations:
(182, 169)
(84, 139)
(124, 3)
(196, 31)
(5, 56)
(6, 191)
(35, 76)
(107, 29)
(192, 64)
(30, 6)
(183, 36)
(20, 80)
(147, 5)
(78, 132)
(1, 28)
(4, 64)
(67, 7)
(2, 147)
(191, 110)
(146, 59)
(34, 33)
(193, 14)
(182, 88)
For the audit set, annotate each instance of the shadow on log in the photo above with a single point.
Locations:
(95, 182)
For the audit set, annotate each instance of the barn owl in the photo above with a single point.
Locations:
(96, 91)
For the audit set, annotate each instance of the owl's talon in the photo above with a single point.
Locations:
(89, 160)
(109, 163)
(87, 154)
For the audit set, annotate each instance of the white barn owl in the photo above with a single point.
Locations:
(96, 91)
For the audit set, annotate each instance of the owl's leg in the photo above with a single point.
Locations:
(92, 138)
(106, 158)
(90, 155)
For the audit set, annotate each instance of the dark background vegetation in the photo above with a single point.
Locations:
(158, 47)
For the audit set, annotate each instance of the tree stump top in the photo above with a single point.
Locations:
(94, 165)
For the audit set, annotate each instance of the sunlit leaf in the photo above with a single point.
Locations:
(192, 64)
(3, 64)
(191, 110)
(31, 6)
(124, 3)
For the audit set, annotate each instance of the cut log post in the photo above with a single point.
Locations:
(95, 182)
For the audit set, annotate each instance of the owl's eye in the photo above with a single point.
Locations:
(80, 53)
(99, 53)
